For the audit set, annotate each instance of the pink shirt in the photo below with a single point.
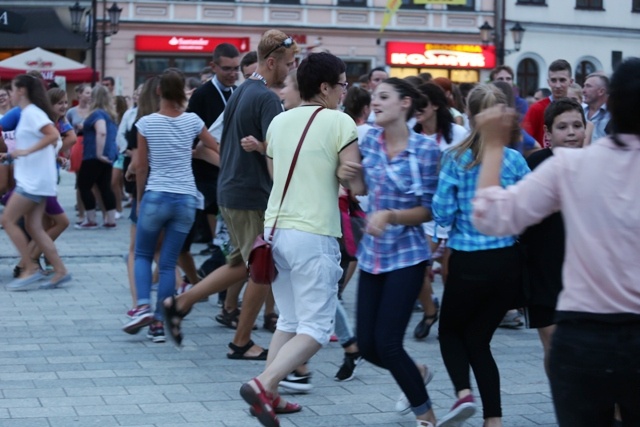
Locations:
(598, 191)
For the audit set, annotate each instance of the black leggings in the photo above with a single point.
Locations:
(93, 171)
(480, 288)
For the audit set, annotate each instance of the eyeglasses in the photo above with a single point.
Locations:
(229, 69)
(286, 43)
(344, 85)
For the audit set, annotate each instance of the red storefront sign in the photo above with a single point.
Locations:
(187, 43)
(432, 55)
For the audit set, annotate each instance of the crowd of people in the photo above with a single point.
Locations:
(528, 211)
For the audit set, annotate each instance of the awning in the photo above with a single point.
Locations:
(42, 28)
(47, 63)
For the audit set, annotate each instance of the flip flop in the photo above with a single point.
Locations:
(173, 318)
(239, 353)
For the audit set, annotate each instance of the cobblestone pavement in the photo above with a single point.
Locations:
(64, 360)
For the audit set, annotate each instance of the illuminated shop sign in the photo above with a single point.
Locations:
(187, 43)
(426, 55)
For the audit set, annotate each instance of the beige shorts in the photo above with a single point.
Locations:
(244, 226)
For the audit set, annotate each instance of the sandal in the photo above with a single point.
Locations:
(261, 403)
(239, 353)
(279, 408)
(173, 318)
(270, 322)
(512, 320)
(229, 318)
(424, 326)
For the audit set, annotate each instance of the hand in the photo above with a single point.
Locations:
(349, 170)
(495, 124)
(104, 159)
(130, 175)
(250, 143)
(377, 222)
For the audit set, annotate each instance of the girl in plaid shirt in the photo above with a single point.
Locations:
(400, 171)
(484, 271)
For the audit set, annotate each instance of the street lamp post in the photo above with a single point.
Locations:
(487, 34)
(77, 13)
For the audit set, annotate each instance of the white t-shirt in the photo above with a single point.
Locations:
(169, 140)
(35, 173)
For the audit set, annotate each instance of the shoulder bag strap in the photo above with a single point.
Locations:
(293, 164)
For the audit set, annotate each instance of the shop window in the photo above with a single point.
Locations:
(150, 66)
(352, 3)
(583, 69)
(528, 75)
(470, 6)
(635, 6)
(589, 4)
(532, 2)
(355, 69)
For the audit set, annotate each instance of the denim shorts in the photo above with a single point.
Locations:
(33, 197)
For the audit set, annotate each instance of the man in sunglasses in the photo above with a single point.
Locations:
(244, 186)
(208, 101)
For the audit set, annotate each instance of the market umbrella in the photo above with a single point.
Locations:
(47, 63)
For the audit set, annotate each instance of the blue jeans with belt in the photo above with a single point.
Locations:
(594, 365)
(161, 211)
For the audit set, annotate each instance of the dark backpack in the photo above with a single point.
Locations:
(216, 260)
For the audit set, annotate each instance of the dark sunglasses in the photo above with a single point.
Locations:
(286, 43)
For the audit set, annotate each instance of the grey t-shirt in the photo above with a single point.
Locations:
(244, 182)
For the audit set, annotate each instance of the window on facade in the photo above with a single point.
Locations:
(589, 4)
(583, 70)
(409, 4)
(635, 6)
(352, 3)
(528, 76)
(471, 5)
(532, 2)
(284, 1)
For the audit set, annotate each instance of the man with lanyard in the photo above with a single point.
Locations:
(209, 101)
(559, 80)
(596, 92)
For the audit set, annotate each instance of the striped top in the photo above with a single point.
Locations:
(169, 140)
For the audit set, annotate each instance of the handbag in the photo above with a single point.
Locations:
(261, 266)
(353, 222)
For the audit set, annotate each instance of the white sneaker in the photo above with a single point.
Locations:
(402, 405)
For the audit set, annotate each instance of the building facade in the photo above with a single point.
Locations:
(592, 35)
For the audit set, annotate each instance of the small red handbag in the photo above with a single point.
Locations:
(261, 266)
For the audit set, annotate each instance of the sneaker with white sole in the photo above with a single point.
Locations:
(402, 405)
(156, 332)
(141, 318)
(348, 369)
(462, 410)
(86, 225)
(297, 382)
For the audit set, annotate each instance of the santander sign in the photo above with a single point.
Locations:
(145, 43)
(440, 55)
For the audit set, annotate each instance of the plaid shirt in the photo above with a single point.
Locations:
(400, 246)
(457, 187)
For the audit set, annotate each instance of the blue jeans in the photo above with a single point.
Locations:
(160, 211)
(385, 305)
(593, 366)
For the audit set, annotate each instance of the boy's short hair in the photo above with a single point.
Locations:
(499, 68)
(560, 106)
(560, 65)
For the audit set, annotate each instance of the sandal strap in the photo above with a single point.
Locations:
(242, 350)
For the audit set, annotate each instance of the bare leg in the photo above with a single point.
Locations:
(116, 186)
(426, 296)
(33, 221)
(254, 296)
(269, 303)
(188, 265)
(219, 280)
(17, 207)
(233, 295)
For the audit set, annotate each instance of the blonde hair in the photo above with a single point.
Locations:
(480, 98)
(270, 45)
(101, 100)
(148, 100)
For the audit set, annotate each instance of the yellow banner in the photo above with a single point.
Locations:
(390, 10)
(451, 2)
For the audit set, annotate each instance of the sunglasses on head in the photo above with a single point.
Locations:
(286, 43)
